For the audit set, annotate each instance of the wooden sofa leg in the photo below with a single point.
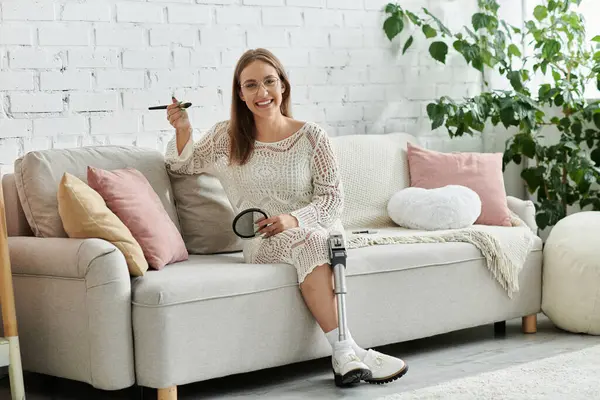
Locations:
(529, 323)
(169, 393)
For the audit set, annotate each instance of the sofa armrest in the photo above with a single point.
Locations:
(60, 257)
(524, 209)
(74, 309)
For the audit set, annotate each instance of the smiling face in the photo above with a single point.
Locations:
(261, 89)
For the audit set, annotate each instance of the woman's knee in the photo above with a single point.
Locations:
(319, 275)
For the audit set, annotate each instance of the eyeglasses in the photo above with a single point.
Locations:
(252, 87)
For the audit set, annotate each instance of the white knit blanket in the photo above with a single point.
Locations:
(505, 249)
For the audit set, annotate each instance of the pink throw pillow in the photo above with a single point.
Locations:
(129, 195)
(481, 172)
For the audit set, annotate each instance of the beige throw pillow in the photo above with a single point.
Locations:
(84, 214)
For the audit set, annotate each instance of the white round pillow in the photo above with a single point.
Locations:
(448, 207)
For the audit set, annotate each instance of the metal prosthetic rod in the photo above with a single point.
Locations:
(337, 255)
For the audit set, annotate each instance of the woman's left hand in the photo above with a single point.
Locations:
(274, 225)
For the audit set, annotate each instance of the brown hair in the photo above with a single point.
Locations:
(241, 126)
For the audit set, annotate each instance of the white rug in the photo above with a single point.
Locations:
(570, 376)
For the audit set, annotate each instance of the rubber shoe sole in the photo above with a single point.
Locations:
(352, 377)
(388, 379)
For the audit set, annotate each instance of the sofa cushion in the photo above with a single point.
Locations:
(481, 172)
(205, 214)
(16, 222)
(207, 277)
(85, 215)
(38, 173)
(448, 207)
(373, 168)
(129, 195)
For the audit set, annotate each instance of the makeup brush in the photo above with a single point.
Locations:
(182, 105)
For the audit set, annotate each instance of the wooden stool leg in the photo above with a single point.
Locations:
(529, 323)
(169, 393)
(9, 315)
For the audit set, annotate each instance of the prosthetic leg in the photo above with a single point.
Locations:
(337, 255)
(376, 368)
(353, 371)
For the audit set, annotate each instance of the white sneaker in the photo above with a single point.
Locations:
(384, 368)
(347, 367)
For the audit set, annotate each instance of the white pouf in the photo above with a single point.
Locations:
(571, 277)
(448, 207)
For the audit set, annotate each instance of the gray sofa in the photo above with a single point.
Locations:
(82, 317)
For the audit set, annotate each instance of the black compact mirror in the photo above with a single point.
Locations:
(244, 224)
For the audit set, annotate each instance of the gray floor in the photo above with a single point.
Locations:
(431, 360)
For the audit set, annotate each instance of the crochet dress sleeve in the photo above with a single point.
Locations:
(328, 195)
(196, 157)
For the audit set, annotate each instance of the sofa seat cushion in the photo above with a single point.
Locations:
(208, 277)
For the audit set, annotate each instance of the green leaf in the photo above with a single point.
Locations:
(595, 156)
(534, 177)
(477, 64)
(515, 80)
(556, 75)
(543, 92)
(550, 49)
(507, 116)
(479, 20)
(491, 5)
(559, 100)
(414, 18)
(459, 45)
(542, 220)
(407, 44)
(540, 12)
(596, 39)
(431, 110)
(439, 23)
(528, 147)
(429, 31)
(391, 8)
(517, 158)
(438, 51)
(514, 50)
(597, 120)
(393, 26)
(584, 183)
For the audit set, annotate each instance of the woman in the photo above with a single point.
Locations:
(266, 159)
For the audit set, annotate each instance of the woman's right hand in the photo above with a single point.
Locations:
(178, 118)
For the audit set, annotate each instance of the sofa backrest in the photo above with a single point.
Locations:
(38, 173)
(16, 222)
(373, 168)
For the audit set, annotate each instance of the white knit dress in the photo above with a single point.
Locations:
(298, 175)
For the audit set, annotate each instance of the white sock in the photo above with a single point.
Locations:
(360, 352)
(334, 337)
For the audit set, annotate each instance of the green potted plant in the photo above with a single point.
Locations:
(561, 172)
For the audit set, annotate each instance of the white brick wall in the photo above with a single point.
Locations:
(75, 72)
